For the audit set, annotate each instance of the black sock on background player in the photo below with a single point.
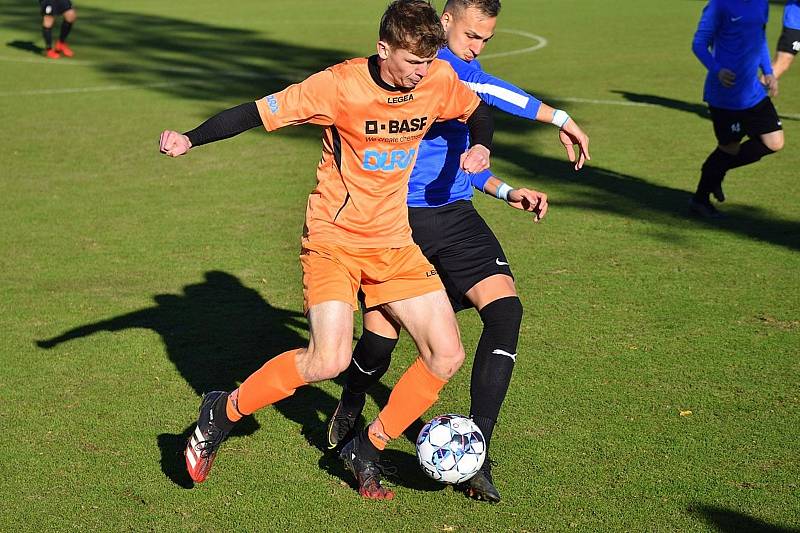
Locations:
(47, 33)
(65, 29)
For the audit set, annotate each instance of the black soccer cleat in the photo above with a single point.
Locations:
(205, 439)
(343, 422)
(481, 486)
(703, 210)
(367, 472)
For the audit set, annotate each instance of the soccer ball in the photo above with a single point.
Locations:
(451, 448)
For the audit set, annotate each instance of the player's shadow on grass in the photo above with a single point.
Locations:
(701, 110)
(26, 46)
(180, 57)
(598, 189)
(217, 333)
(729, 521)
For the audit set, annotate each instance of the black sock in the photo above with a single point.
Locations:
(494, 361)
(352, 402)
(486, 425)
(47, 33)
(220, 414)
(65, 28)
(366, 449)
(371, 358)
(751, 151)
(712, 174)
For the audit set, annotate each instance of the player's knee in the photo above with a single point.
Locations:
(502, 319)
(446, 360)
(323, 363)
(373, 352)
(774, 143)
(335, 364)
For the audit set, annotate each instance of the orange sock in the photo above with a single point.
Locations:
(413, 394)
(276, 380)
(232, 407)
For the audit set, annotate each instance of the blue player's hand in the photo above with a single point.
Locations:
(726, 77)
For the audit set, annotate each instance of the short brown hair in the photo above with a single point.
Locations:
(489, 8)
(412, 25)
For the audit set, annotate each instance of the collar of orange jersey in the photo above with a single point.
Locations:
(375, 72)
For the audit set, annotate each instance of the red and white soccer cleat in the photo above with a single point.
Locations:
(205, 439)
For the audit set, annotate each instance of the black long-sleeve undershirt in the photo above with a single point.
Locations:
(226, 124)
(481, 126)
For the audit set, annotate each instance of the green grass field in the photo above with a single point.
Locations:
(658, 382)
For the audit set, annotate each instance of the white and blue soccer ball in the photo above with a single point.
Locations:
(451, 448)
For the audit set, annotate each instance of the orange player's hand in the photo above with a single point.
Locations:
(476, 159)
(174, 144)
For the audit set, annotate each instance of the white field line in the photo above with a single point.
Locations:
(541, 42)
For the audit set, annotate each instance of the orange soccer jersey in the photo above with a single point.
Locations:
(369, 146)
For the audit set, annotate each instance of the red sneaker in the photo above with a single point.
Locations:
(62, 47)
(52, 54)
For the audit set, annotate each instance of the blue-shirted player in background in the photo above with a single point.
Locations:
(731, 43)
(458, 242)
(789, 41)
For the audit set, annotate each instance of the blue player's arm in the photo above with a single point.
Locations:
(519, 198)
(479, 179)
(766, 63)
(704, 36)
(501, 94)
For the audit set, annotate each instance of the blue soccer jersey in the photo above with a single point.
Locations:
(437, 178)
(731, 35)
(791, 15)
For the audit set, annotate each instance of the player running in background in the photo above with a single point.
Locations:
(458, 242)
(375, 112)
(50, 10)
(789, 41)
(731, 43)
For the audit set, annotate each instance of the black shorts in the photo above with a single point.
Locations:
(54, 7)
(731, 126)
(460, 245)
(789, 41)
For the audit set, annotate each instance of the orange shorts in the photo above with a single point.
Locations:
(333, 272)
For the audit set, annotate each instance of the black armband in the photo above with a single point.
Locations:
(226, 124)
(789, 41)
(481, 126)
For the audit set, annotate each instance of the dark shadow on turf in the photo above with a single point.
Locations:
(599, 189)
(699, 109)
(26, 46)
(729, 521)
(189, 59)
(217, 333)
